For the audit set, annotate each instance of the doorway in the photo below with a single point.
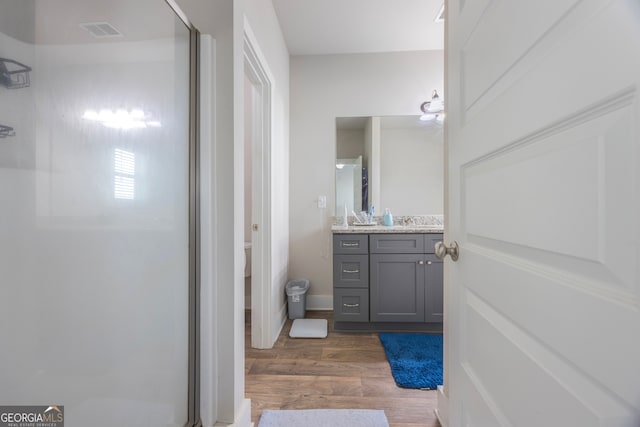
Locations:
(257, 127)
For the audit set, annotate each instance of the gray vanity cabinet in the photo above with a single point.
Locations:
(385, 279)
(405, 278)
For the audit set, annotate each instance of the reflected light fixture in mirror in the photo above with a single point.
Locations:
(434, 109)
(122, 119)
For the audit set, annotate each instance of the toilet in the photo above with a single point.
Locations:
(247, 259)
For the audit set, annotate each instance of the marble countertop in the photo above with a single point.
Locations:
(379, 228)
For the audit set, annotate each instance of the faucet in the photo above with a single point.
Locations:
(408, 221)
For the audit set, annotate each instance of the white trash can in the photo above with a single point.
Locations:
(297, 297)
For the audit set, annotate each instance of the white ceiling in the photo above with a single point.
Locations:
(317, 27)
(57, 22)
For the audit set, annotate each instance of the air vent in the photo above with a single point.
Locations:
(440, 15)
(101, 30)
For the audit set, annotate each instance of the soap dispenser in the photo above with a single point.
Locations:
(387, 218)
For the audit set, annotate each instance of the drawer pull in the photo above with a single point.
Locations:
(351, 305)
(350, 245)
(351, 271)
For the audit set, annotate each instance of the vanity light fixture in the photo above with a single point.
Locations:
(433, 109)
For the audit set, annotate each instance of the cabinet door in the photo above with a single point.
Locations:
(433, 290)
(397, 288)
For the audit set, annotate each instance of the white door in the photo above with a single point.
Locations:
(543, 323)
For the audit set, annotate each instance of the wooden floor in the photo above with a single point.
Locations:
(344, 371)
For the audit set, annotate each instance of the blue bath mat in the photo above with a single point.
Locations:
(415, 359)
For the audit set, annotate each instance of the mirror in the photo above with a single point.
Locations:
(393, 162)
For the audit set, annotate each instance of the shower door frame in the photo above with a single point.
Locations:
(193, 399)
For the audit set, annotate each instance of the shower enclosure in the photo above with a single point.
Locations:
(97, 211)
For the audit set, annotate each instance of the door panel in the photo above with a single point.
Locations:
(601, 155)
(558, 388)
(543, 161)
(486, 58)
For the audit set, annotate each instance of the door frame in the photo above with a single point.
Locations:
(442, 405)
(261, 290)
(193, 368)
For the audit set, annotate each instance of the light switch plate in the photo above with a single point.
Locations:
(322, 202)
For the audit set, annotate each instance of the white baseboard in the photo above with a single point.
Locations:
(278, 324)
(442, 413)
(320, 302)
(243, 416)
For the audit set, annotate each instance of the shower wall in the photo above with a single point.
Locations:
(94, 223)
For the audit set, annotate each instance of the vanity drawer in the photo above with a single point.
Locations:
(351, 305)
(430, 241)
(396, 243)
(351, 271)
(350, 243)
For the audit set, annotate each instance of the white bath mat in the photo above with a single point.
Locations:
(324, 417)
(309, 328)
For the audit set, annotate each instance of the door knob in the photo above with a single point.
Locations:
(442, 250)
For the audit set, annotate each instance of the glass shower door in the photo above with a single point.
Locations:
(94, 210)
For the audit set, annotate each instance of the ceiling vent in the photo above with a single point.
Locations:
(440, 15)
(101, 30)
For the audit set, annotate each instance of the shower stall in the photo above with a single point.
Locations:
(98, 202)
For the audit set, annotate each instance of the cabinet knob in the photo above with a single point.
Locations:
(420, 262)
(428, 262)
(442, 250)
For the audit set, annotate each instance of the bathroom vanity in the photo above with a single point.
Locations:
(387, 278)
